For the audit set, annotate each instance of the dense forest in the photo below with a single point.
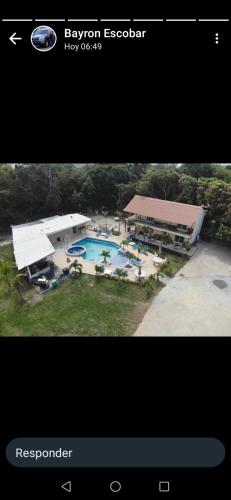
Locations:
(29, 192)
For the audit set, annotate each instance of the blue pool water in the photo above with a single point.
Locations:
(119, 260)
(94, 248)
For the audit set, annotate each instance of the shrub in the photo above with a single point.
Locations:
(166, 239)
(99, 269)
(186, 245)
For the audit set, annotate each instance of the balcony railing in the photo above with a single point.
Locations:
(162, 226)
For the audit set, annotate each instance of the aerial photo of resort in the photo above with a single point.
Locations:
(132, 249)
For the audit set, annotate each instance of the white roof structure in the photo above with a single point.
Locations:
(31, 242)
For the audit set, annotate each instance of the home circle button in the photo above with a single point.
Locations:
(115, 486)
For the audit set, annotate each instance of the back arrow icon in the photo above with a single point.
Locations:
(67, 486)
(13, 38)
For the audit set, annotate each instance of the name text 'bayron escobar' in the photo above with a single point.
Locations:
(106, 33)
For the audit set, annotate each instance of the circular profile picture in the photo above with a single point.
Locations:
(43, 38)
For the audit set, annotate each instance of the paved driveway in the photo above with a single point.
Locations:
(192, 304)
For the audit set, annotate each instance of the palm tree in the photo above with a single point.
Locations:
(77, 267)
(139, 248)
(18, 284)
(130, 256)
(124, 243)
(142, 248)
(120, 273)
(6, 270)
(105, 254)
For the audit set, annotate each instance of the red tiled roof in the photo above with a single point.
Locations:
(168, 211)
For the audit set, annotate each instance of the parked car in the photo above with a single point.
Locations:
(43, 37)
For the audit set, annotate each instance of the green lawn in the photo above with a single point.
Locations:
(87, 306)
(175, 263)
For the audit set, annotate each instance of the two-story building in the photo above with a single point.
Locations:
(180, 222)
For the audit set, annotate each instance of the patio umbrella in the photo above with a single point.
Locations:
(142, 273)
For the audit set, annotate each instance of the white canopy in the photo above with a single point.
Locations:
(142, 273)
(31, 242)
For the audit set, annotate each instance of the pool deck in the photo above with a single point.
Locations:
(60, 257)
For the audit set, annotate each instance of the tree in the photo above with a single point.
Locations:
(149, 285)
(138, 169)
(77, 267)
(130, 256)
(11, 277)
(188, 189)
(105, 254)
(216, 195)
(77, 201)
(124, 243)
(125, 193)
(35, 191)
(197, 169)
(105, 179)
(223, 233)
(221, 172)
(98, 269)
(159, 184)
(88, 191)
(139, 250)
(120, 273)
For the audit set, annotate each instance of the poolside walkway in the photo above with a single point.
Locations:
(60, 257)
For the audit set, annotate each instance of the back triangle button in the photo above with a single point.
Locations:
(67, 486)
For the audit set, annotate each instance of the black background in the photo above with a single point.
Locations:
(167, 103)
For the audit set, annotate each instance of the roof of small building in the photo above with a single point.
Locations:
(31, 242)
(168, 211)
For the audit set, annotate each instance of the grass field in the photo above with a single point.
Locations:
(87, 306)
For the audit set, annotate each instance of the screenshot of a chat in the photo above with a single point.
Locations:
(115, 254)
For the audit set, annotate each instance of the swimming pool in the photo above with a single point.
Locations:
(94, 247)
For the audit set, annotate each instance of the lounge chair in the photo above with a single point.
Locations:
(99, 233)
(108, 233)
(136, 262)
